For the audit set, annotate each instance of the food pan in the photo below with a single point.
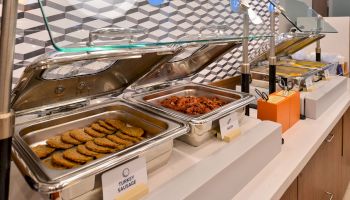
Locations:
(297, 75)
(202, 126)
(304, 64)
(159, 131)
(286, 71)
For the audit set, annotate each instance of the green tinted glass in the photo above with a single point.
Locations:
(95, 25)
(303, 17)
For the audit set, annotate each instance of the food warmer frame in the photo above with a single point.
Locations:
(294, 71)
(164, 82)
(46, 105)
(55, 94)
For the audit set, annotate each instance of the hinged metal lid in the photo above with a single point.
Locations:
(64, 78)
(286, 44)
(191, 60)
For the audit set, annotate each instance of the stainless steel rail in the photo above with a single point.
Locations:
(7, 47)
(245, 66)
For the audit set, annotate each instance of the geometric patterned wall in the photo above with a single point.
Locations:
(182, 17)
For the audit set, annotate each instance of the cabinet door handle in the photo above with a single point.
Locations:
(331, 195)
(329, 140)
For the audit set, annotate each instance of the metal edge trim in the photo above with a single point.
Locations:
(6, 125)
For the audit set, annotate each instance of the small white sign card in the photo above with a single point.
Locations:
(124, 178)
(309, 83)
(326, 74)
(228, 124)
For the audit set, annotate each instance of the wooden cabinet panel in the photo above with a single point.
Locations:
(292, 192)
(333, 162)
(346, 152)
(321, 177)
(311, 179)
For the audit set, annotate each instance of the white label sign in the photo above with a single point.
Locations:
(124, 178)
(308, 83)
(326, 74)
(228, 124)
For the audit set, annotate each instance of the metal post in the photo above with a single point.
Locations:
(272, 59)
(245, 67)
(318, 51)
(7, 47)
(318, 43)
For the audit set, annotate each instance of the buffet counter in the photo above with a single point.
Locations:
(301, 142)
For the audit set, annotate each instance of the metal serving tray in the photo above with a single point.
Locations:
(44, 179)
(286, 45)
(202, 126)
(321, 67)
(286, 71)
(296, 75)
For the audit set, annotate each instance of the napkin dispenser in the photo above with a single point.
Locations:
(282, 107)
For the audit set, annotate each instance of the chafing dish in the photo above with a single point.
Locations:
(297, 75)
(296, 71)
(303, 64)
(202, 126)
(64, 91)
(187, 63)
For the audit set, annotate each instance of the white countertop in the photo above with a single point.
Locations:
(301, 142)
(185, 156)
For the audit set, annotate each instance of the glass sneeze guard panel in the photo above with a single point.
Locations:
(95, 25)
(303, 17)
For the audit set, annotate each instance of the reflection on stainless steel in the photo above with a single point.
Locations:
(202, 126)
(188, 62)
(60, 92)
(34, 90)
(159, 130)
(79, 68)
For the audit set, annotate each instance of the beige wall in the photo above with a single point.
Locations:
(284, 25)
(339, 8)
(309, 2)
(335, 43)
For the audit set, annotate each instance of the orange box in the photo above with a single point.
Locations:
(294, 109)
(281, 108)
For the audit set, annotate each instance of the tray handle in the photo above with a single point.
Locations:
(126, 33)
